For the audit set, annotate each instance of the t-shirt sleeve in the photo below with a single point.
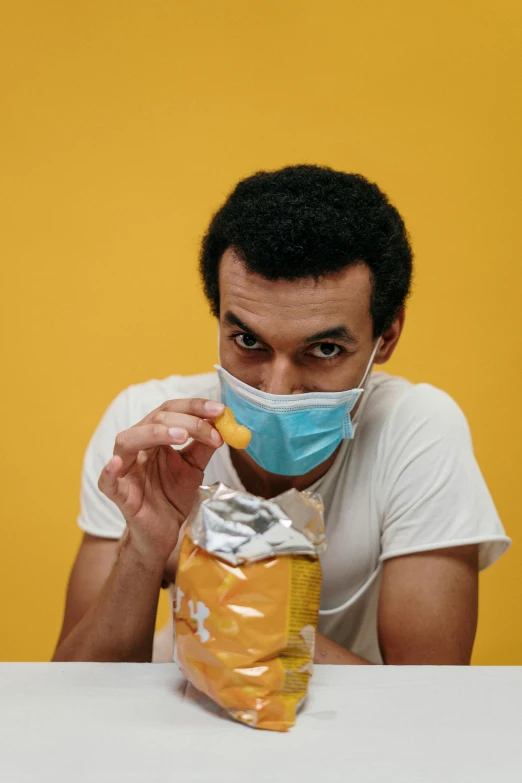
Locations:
(432, 493)
(99, 516)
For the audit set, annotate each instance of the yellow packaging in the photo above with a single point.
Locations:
(245, 633)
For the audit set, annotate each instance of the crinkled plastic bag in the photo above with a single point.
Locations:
(247, 601)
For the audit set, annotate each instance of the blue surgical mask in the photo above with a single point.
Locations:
(292, 433)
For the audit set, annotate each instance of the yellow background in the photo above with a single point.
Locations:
(124, 125)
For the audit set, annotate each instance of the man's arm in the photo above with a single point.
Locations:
(428, 608)
(92, 567)
(111, 604)
(153, 486)
(332, 653)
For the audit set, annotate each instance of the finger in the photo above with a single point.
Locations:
(110, 482)
(201, 408)
(129, 443)
(197, 454)
(198, 429)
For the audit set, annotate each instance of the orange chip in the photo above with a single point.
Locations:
(236, 435)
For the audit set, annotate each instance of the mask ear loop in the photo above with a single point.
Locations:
(370, 364)
(356, 416)
(355, 597)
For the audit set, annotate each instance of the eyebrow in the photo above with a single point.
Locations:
(231, 319)
(340, 332)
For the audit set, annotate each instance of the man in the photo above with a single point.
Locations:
(308, 271)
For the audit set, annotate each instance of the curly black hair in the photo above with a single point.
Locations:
(309, 221)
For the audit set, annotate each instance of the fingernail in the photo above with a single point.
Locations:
(177, 433)
(216, 437)
(214, 408)
(108, 466)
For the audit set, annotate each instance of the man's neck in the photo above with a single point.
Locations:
(267, 485)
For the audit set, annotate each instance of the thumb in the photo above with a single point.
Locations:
(196, 454)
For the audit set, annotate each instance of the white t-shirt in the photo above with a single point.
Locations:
(407, 482)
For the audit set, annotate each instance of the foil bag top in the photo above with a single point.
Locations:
(242, 528)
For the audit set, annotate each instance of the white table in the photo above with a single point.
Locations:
(74, 723)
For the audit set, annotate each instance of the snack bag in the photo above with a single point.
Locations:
(247, 601)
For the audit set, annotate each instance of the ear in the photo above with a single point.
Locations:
(390, 338)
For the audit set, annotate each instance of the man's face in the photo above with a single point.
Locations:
(290, 337)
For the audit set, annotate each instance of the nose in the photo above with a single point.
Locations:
(281, 377)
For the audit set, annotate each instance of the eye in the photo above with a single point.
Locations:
(247, 341)
(326, 351)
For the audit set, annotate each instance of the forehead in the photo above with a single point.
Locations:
(339, 298)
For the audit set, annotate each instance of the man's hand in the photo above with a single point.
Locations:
(154, 485)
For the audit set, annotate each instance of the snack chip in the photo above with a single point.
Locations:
(247, 601)
(234, 434)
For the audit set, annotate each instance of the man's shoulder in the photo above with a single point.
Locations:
(398, 405)
(142, 398)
